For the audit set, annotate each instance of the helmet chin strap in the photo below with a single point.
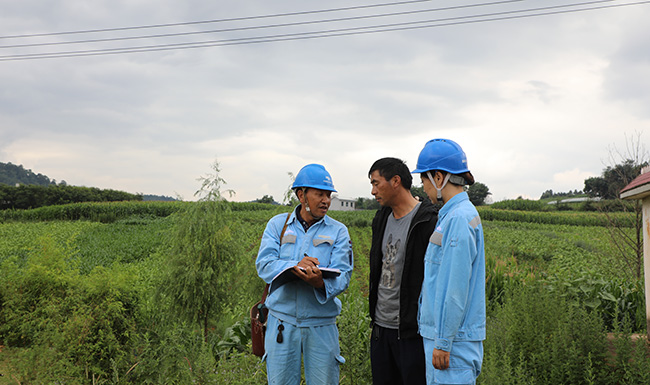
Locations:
(444, 183)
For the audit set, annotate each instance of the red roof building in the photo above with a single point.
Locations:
(639, 188)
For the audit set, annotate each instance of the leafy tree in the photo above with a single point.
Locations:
(613, 179)
(477, 193)
(265, 199)
(546, 194)
(367, 204)
(550, 194)
(418, 192)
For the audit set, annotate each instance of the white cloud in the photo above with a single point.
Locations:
(534, 102)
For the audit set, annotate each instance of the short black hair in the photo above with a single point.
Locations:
(304, 190)
(389, 167)
(463, 179)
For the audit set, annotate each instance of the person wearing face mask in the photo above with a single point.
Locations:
(301, 326)
(452, 317)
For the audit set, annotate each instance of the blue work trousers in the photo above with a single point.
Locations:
(318, 346)
(465, 363)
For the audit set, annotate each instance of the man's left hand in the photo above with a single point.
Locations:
(307, 270)
(440, 359)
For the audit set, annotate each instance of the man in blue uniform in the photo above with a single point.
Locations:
(452, 302)
(302, 313)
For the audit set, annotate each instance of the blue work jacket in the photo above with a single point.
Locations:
(452, 301)
(297, 302)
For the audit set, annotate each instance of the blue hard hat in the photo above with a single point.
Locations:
(314, 176)
(443, 155)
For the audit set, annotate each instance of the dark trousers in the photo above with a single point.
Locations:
(396, 361)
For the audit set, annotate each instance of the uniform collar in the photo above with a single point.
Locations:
(304, 223)
(454, 201)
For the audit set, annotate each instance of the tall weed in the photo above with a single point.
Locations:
(543, 339)
(354, 336)
(73, 326)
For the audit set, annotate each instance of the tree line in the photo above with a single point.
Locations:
(613, 179)
(553, 194)
(22, 188)
(33, 196)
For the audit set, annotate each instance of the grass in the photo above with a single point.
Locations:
(554, 249)
(531, 249)
(6, 373)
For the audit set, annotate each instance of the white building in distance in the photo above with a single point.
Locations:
(342, 204)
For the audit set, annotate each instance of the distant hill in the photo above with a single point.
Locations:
(10, 174)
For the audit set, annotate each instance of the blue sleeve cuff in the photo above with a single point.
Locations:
(321, 294)
(443, 344)
(330, 290)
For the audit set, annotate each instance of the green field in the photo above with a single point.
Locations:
(93, 294)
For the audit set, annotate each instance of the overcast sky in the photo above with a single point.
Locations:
(535, 102)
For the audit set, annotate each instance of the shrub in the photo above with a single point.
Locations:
(631, 363)
(538, 337)
(32, 196)
(502, 275)
(105, 212)
(541, 336)
(204, 263)
(521, 205)
(572, 218)
(74, 326)
(614, 205)
(615, 301)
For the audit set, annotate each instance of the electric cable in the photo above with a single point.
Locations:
(216, 20)
(293, 24)
(323, 34)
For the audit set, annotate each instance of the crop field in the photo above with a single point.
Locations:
(109, 294)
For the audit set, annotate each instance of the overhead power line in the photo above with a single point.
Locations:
(459, 20)
(292, 24)
(218, 20)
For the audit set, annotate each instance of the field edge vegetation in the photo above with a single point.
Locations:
(139, 293)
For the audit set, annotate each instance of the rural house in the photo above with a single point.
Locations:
(342, 204)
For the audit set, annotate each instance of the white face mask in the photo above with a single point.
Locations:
(444, 183)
